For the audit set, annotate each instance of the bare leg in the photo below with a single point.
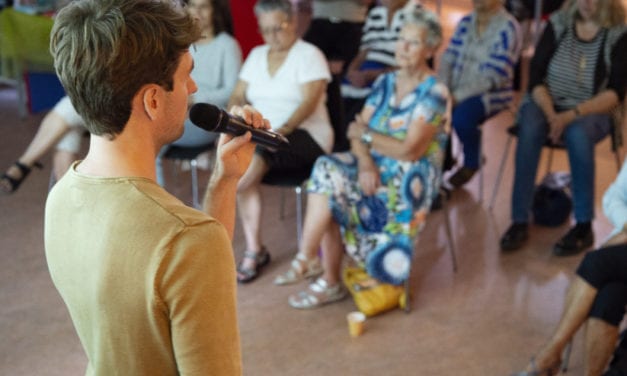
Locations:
(61, 162)
(578, 303)
(319, 229)
(333, 251)
(250, 207)
(52, 128)
(600, 343)
(317, 223)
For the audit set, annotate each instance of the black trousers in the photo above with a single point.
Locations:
(338, 41)
(606, 270)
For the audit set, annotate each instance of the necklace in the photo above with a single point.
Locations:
(582, 67)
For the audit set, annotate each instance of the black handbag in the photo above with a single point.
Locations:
(552, 203)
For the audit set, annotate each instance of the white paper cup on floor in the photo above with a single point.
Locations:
(356, 322)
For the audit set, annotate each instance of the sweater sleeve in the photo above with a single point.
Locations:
(503, 56)
(197, 285)
(452, 52)
(541, 58)
(229, 61)
(618, 78)
(615, 200)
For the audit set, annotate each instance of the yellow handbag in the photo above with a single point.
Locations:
(371, 296)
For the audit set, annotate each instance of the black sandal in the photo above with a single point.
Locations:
(261, 259)
(9, 184)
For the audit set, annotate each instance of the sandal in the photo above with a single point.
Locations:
(300, 268)
(261, 259)
(539, 372)
(10, 184)
(318, 294)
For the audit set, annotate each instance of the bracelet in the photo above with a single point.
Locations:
(366, 138)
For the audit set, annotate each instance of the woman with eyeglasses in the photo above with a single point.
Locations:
(285, 79)
(372, 202)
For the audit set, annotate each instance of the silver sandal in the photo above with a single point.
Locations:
(301, 268)
(318, 294)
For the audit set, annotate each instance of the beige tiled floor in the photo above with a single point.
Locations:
(487, 319)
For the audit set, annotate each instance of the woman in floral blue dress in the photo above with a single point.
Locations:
(372, 201)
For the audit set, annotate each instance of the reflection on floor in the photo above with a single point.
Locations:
(487, 319)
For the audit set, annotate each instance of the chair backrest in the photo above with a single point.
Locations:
(619, 121)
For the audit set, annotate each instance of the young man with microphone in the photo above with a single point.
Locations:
(149, 282)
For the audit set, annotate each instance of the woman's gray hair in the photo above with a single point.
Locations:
(263, 6)
(430, 22)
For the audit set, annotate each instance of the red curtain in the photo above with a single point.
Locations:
(245, 25)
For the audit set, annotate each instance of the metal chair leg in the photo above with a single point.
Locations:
(194, 170)
(618, 161)
(481, 165)
(407, 307)
(299, 213)
(499, 175)
(449, 234)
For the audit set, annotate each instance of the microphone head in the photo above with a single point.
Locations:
(206, 116)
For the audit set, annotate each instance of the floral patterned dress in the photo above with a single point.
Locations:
(379, 230)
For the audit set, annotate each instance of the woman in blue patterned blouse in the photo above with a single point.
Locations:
(372, 201)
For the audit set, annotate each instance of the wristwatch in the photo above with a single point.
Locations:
(366, 138)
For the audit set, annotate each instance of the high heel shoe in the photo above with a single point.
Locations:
(560, 366)
(10, 184)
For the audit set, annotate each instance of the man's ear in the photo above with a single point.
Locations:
(151, 100)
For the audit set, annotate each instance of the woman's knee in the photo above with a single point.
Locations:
(600, 267)
(253, 175)
(532, 124)
(609, 304)
(468, 115)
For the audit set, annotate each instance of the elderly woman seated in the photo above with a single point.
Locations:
(596, 297)
(372, 201)
(376, 53)
(577, 76)
(285, 79)
(478, 68)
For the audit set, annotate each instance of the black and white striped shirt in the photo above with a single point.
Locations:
(570, 76)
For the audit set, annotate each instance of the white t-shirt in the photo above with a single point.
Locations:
(278, 96)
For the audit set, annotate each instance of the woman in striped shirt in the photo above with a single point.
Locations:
(576, 79)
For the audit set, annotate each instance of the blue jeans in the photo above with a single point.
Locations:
(579, 138)
(468, 115)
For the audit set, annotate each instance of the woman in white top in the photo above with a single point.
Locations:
(217, 60)
(285, 79)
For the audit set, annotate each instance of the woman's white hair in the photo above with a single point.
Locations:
(429, 20)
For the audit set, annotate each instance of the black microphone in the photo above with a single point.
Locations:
(213, 119)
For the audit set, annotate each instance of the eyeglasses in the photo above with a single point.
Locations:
(273, 29)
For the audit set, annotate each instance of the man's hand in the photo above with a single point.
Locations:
(235, 153)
